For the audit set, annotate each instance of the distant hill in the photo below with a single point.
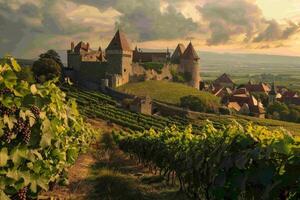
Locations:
(25, 62)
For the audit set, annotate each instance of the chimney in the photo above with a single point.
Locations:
(72, 46)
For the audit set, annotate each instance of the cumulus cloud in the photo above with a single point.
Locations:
(228, 19)
(29, 27)
(144, 19)
(274, 31)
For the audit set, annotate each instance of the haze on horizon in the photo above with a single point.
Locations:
(29, 27)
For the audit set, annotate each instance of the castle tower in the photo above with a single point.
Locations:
(175, 58)
(190, 66)
(119, 57)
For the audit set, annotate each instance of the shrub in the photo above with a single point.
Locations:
(46, 69)
(198, 104)
(157, 66)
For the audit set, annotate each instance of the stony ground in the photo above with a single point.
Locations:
(106, 173)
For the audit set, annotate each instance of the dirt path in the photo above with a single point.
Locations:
(110, 175)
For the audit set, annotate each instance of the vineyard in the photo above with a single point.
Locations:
(230, 163)
(41, 135)
(95, 104)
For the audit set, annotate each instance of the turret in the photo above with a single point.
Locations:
(190, 65)
(119, 56)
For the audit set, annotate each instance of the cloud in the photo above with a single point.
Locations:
(29, 27)
(144, 19)
(231, 19)
(275, 31)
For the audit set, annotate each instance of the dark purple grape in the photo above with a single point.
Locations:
(5, 91)
(21, 195)
(23, 130)
(8, 136)
(36, 111)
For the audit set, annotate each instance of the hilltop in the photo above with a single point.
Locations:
(165, 91)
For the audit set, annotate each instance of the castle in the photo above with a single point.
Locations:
(119, 64)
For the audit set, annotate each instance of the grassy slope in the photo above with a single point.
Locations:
(171, 93)
(163, 91)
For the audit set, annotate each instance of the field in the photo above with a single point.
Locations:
(242, 67)
(164, 91)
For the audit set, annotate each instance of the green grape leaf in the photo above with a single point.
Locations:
(3, 157)
(3, 196)
(18, 154)
(33, 89)
(15, 65)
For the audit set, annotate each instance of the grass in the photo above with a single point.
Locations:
(164, 91)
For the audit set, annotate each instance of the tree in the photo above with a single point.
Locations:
(198, 104)
(46, 69)
(51, 54)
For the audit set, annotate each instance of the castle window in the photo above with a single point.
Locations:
(124, 70)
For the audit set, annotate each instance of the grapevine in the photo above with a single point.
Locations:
(41, 134)
(228, 163)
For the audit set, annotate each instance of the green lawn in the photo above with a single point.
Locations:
(164, 91)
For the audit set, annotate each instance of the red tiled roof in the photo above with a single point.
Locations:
(190, 53)
(261, 87)
(241, 91)
(224, 78)
(119, 42)
(81, 46)
(234, 105)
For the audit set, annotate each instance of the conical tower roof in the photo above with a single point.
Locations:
(190, 53)
(119, 42)
(178, 51)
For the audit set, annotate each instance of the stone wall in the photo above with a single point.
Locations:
(140, 73)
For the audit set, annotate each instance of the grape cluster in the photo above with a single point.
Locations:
(36, 111)
(5, 91)
(8, 111)
(21, 195)
(7, 136)
(22, 128)
(4, 110)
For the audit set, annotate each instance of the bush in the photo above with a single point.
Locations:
(41, 134)
(46, 69)
(153, 65)
(198, 104)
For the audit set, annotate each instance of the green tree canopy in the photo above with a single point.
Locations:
(51, 54)
(46, 69)
(197, 104)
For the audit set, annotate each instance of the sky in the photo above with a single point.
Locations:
(30, 27)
